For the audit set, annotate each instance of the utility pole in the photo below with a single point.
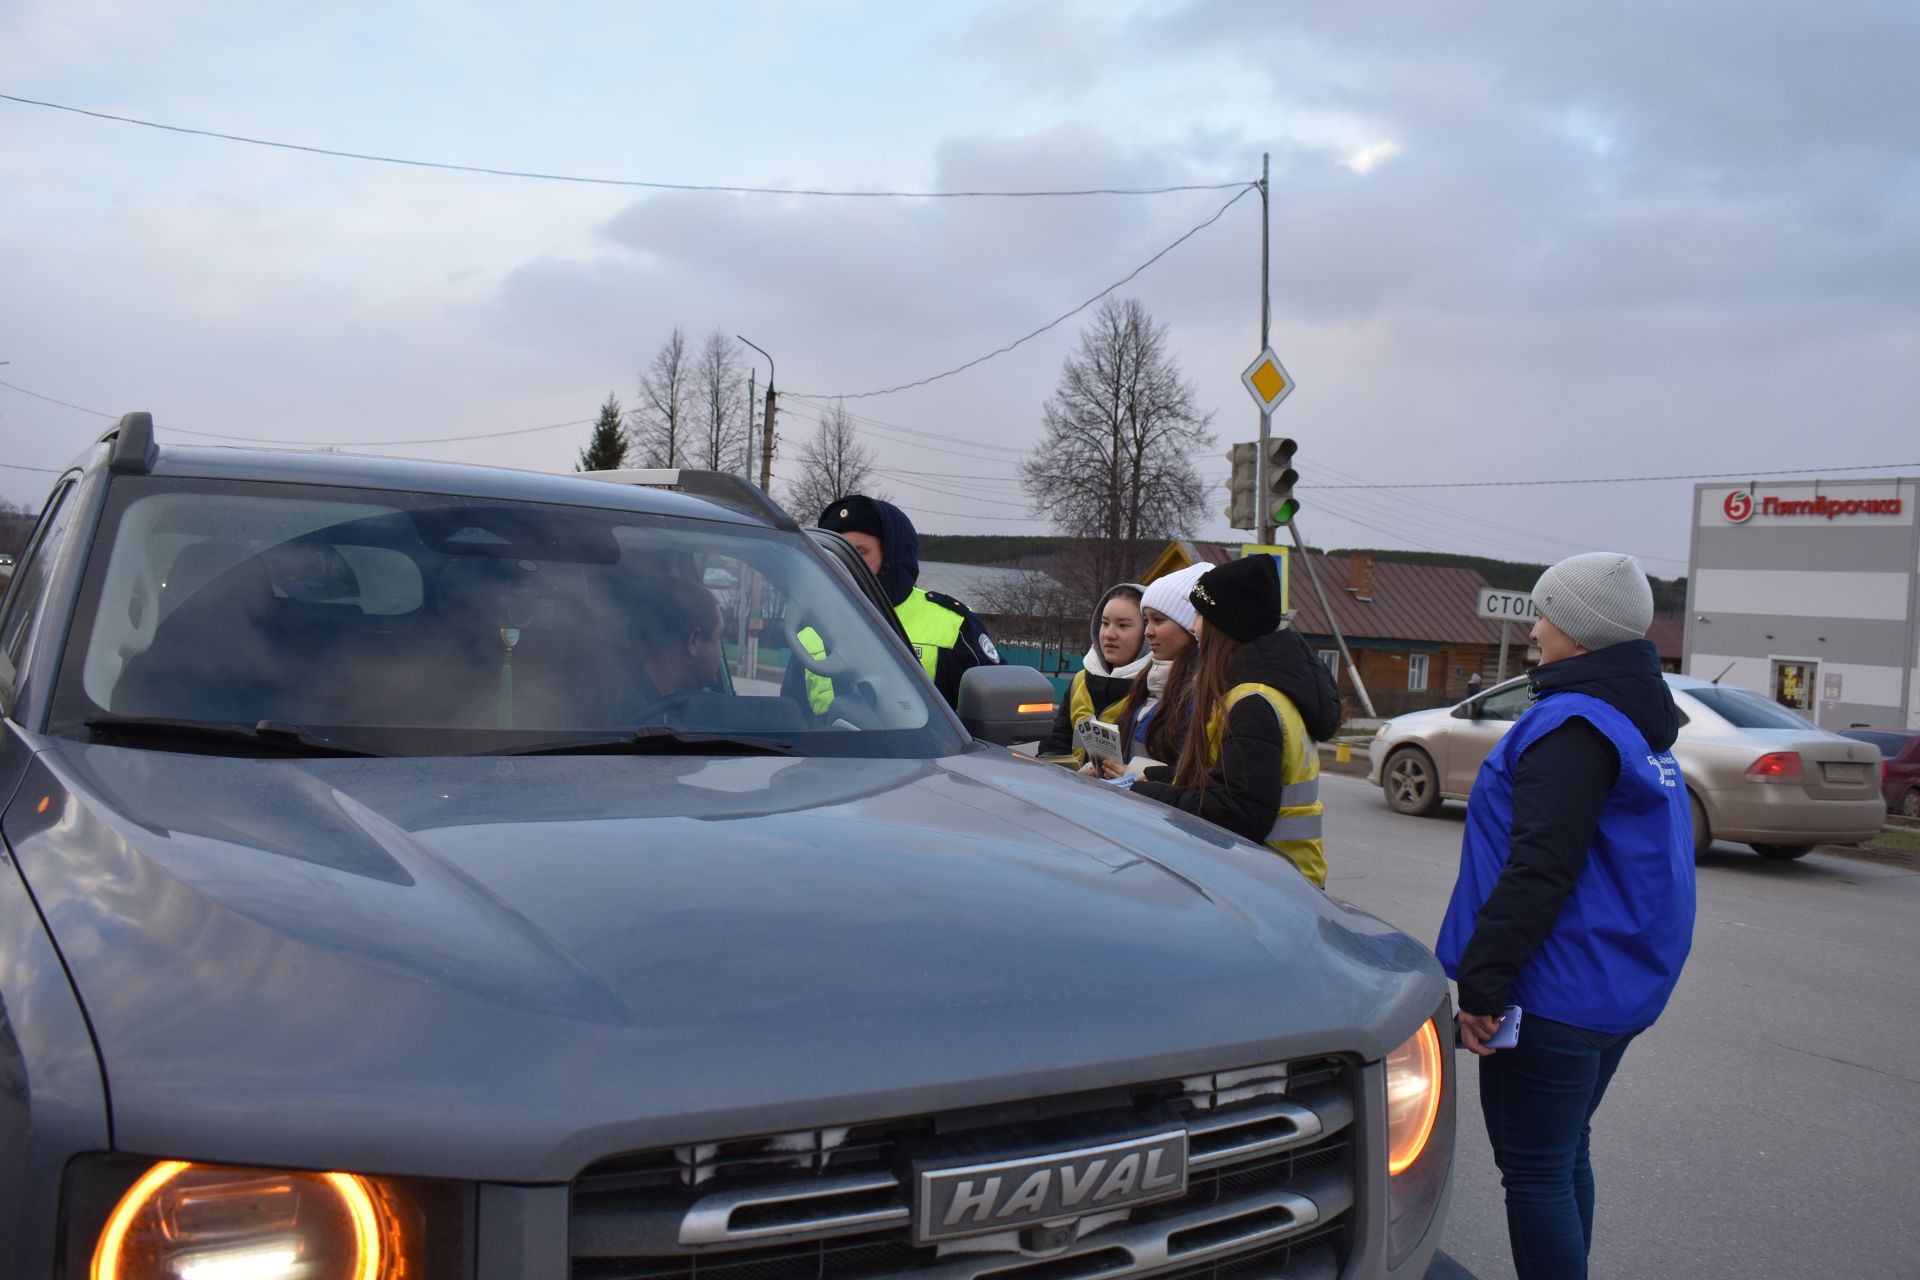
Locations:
(1261, 478)
(1264, 529)
(766, 426)
(751, 373)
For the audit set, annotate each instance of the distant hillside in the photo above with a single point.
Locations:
(988, 548)
(1669, 594)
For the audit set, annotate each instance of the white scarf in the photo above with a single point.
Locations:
(1095, 664)
(1157, 676)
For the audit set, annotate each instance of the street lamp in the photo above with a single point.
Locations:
(766, 426)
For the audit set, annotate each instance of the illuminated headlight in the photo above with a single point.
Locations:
(1419, 1135)
(1413, 1097)
(184, 1221)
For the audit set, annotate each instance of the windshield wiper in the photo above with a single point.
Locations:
(276, 735)
(658, 739)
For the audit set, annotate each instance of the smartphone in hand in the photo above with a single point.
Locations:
(1509, 1033)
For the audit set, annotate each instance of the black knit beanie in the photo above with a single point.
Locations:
(854, 513)
(1241, 597)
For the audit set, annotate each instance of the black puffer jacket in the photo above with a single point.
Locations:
(1243, 787)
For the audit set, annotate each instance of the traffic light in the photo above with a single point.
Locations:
(1240, 485)
(1281, 477)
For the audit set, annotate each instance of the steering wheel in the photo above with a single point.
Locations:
(829, 664)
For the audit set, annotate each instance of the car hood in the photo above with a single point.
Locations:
(505, 968)
(1415, 722)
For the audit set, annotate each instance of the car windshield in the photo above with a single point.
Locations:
(1745, 710)
(434, 624)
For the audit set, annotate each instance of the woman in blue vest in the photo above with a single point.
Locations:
(1575, 900)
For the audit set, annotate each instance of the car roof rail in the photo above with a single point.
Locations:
(723, 487)
(134, 451)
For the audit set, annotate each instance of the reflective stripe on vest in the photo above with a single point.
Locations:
(1296, 830)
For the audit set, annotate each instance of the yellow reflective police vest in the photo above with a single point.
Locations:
(1296, 831)
(930, 628)
(1079, 707)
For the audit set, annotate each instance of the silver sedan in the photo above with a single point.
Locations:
(1755, 771)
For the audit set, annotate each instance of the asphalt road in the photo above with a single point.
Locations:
(1769, 1125)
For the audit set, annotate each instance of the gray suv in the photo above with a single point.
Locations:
(425, 872)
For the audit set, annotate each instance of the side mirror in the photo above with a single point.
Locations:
(1006, 704)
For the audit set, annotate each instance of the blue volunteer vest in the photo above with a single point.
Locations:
(1615, 952)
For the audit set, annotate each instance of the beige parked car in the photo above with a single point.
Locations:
(1755, 771)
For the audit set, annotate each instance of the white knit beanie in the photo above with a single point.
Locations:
(1168, 595)
(1599, 598)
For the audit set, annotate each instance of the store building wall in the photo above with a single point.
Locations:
(1813, 606)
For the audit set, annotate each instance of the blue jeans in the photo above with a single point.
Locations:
(1538, 1099)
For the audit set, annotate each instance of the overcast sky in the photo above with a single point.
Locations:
(1510, 242)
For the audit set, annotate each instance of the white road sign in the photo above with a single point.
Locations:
(1267, 381)
(1507, 606)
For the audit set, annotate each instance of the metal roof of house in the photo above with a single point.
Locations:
(971, 584)
(1378, 599)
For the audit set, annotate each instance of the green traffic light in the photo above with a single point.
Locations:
(1286, 511)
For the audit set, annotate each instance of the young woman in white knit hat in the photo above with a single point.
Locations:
(1573, 912)
(1153, 720)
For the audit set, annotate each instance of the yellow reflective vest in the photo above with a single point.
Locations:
(930, 628)
(1296, 831)
(1079, 707)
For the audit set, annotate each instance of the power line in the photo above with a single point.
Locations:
(618, 182)
(949, 493)
(14, 466)
(817, 403)
(1471, 526)
(1703, 475)
(62, 403)
(921, 382)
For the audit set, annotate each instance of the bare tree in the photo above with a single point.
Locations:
(660, 426)
(1029, 606)
(1121, 427)
(833, 464)
(718, 441)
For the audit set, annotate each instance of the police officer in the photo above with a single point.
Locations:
(944, 632)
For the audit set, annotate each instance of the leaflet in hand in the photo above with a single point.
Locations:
(1099, 739)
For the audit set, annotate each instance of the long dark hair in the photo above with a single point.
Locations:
(1164, 733)
(1217, 651)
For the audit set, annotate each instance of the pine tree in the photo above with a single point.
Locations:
(607, 448)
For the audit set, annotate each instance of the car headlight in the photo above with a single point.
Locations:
(1419, 1135)
(185, 1221)
(1413, 1097)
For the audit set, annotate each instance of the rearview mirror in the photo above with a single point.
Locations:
(1006, 704)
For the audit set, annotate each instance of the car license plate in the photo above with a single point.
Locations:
(1844, 772)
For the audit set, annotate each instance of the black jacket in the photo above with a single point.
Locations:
(1243, 788)
(1560, 789)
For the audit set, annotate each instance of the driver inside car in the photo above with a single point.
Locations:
(678, 627)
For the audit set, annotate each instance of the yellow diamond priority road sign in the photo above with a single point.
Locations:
(1268, 380)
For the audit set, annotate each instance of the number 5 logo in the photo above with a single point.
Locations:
(1738, 506)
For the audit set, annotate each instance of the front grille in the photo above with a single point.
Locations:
(1270, 1180)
